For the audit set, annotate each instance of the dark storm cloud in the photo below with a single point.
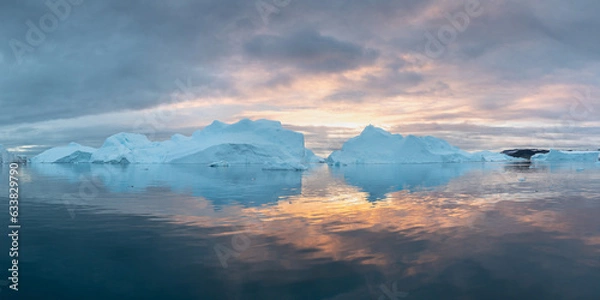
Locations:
(519, 40)
(310, 50)
(110, 56)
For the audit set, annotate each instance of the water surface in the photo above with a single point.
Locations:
(433, 231)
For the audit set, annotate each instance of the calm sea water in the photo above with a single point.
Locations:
(453, 231)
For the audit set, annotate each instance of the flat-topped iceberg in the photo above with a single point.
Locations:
(72, 153)
(217, 145)
(377, 146)
(566, 156)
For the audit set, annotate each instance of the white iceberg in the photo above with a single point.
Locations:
(377, 146)
(245, 142)
(128, 148)
(236, 154)
(72, 153)
(567, 156)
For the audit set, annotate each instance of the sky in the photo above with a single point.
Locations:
(482, 74)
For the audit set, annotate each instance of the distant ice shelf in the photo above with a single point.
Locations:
(567, 156)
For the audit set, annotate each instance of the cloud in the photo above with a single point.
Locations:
(347, 96)
(309, 50)
(112, 56)
(350, 62)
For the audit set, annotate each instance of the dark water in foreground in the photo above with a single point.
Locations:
(455, 231)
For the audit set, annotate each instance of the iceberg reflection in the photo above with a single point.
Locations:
(245, 185)
(380, 179)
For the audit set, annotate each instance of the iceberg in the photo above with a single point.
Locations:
(524, 153)
(123, 148)
(72, 153)
(488, 156)
(236, 154)
(244, 142)
(310, 157)
(377, 146)
(566, 156)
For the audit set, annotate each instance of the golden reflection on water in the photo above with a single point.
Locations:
(336, 221)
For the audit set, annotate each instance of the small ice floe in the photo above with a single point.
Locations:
(219, 164)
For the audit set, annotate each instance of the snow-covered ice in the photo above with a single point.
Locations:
(72, 153)
(244, 142)
(567, 156)
(129, 148)
(377, 146)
